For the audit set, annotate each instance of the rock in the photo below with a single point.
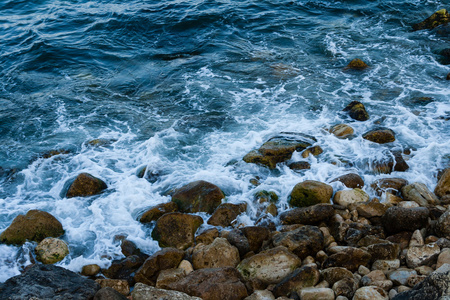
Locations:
(312, 293)
(261, 295)
(36, 225)
(416, 239)
(169, 276)
(342, 131)
(384, 251)
(186, 266)
(108, 293)
(198, 196)
(212, 284)
(309, 193)
(207, 237)
(438, 18)
(118, 285)
(100, 142)
(216, 255)
(435, 286)
(158, 211)
(307, 215)
(443, 225)
(346, 287)
(238, 239)
(269, 266)
(415, 279)
(397, 219)
(350, 258)
(346, 198)
(85, 185)
(256, 236)
(380, 136)
(315, 151)
(357, 111)
(350, 180)
(129, 248)
(334, 274)
(176, 230)
(225, 213)
(357, 64)
(264, 196)
(448, 76)
(401, 275)
(389, 185)
(443, 258)
(51, 250)
(299, 165)
(422, 255)
(48, 282)
(443, 185)
(279, 149)
(370, 293)
(167, 258)
(377, 278)
(386, 265)
(90, 270)
(304, 241)
(371, 209)
(122, 269)
(145, 292)
(418, 192)
(305, 276)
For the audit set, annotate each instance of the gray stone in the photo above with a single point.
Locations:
(146, 292)
(418, 192)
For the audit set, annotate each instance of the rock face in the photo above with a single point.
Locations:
(216, 255)
(176, 230)
(279, 149)
(269, 266)
(145, 292)
(36, 225)
(48, 282)
(357, 111)
(51, 250)
(435, 286)
(397, 219)
(419, 193)
(198, 196)
(85, 185)
(156, 212)
(212, 284)
(342, 131)
(350, 180)
(309, 193)
(304, 241)
(380, 136)
(307, 215)
(225, 213)
(438, 18)
(443, 185)
(357, 64)
(348, 197)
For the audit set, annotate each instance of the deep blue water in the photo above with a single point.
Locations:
(187, 88)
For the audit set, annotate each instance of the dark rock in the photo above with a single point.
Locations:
(207, 237)
(51, 153)
(435, 286)
(158, 211)
(176, 230)
(345, 287)
(443, 225)
(129, 248)
(397, 219)
(304, 241)
(357, 64)
(310, 215)
(350, 180)
(334, 274)
(256, 236)
(438, 18)
(357, 111)
(279, 149)
(123, 268)
(299, 165)
(108, 293)
(238, 239)
(303, 277)
(212, 284)
(400, 163)
(225, 213)
(85, 185)
(36, 225)
(443, 185)
(357, 231)
(371, 209)
(401, 238)
(198, 196)
(349, 258)
(380, 136)
(448, 76)
(90, 270)
(384, 251)
(309, 193)
(390, 185)
(119, 285)
(48, 282)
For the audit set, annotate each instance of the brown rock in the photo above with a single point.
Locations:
(438, 18)
(350, 258)
(145, 292)
(397, 219)
(443, 225)
(157, 211)
(304, 241)
(350, 180)
(342, 131)
(389, 185)
(443, 185)
(315, 151)
(371, 209)
(380, 136)
(300, 165)
(256, 236)
(219, 254)
(357, 111)
(310, 192)
(207, 237)
(334, 274)
(238, 239)
(345, 287)
(119, 285)
(108, 293)
(307, 215)
(176, 230)
(36, 225)
(90, 270)
(384, 251)
(122, 269)
(198, 196)
(357, 64)
(305, 276)
(85, 185)
(419, 193)
(169, 276)
(225, 213)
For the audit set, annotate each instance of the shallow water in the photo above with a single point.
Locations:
(187, 88)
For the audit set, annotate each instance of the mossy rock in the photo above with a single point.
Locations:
(357, 111)
(357, 64)
(380, 136)
(85, 185)
(440, 17)
(266, 196)
(51, 250)
(198, 196)
(309, 193)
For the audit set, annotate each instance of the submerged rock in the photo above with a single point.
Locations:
(380, 136)
(357, 64)
(438, 18)
(342, 131)
(357, 111)
(389, 185)
(85, 185)
(309, 193)
(299, 165)
(198, 196)
(51, 250)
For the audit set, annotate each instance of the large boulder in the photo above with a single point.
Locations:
(176, 230)
(158, 211)
(225, 213)
(357, 111)
(307, 215)
(51, 250)
(216, 255)
(145, 292)
(304, 241)
(279, 149)
(309, 193)
(198, 196)
(422, 255)
(443, 185)
(85, 185)
(48, 282)
(36, 225)
(419, 193)
(435, 286)
(380, 136)
(438, 18)
(212, 284)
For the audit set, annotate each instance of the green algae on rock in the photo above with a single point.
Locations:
(440, 17)
(380, 136)
(356, 64)
(357, 111)
(309, 193)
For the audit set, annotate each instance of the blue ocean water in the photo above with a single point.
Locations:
(187, 88)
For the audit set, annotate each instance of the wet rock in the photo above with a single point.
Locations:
(350, 180)
(108, 293)
(176, 230)
(357, 64)
(158, 211)
(269, 266)
(145, 292)
(435, 286)
(309, 193)
(129, 248)
(85, 185)
(100, 142)
(212, 284)
(48, 282)
(370, 293)
(443, 225)
(304, 241)
(438, 18)
(386, 265)
(419, 193)
(422, 255)
(169, 276)
(350, 258)
(51, 250)
(357, 111)
(384, 251)
(279, 149)
(334, 274)
(346, 198)
(380, 136)
(397, 219)
(371, 209)
(198, 196)
(307, 215)
(342, 131)
(122, 269)
(401, 275)
(399, 163)
(216, 255)
(167, 258)
(300, 165)
(315, 151)
(36, 225)
(443, 185)
(238, 239)
(118, 285)
(346, 287)
(389, 185)
(207, 237)
(256, 236)
(305, 276)
(90, 270)
(261, 295)
(225, 213)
